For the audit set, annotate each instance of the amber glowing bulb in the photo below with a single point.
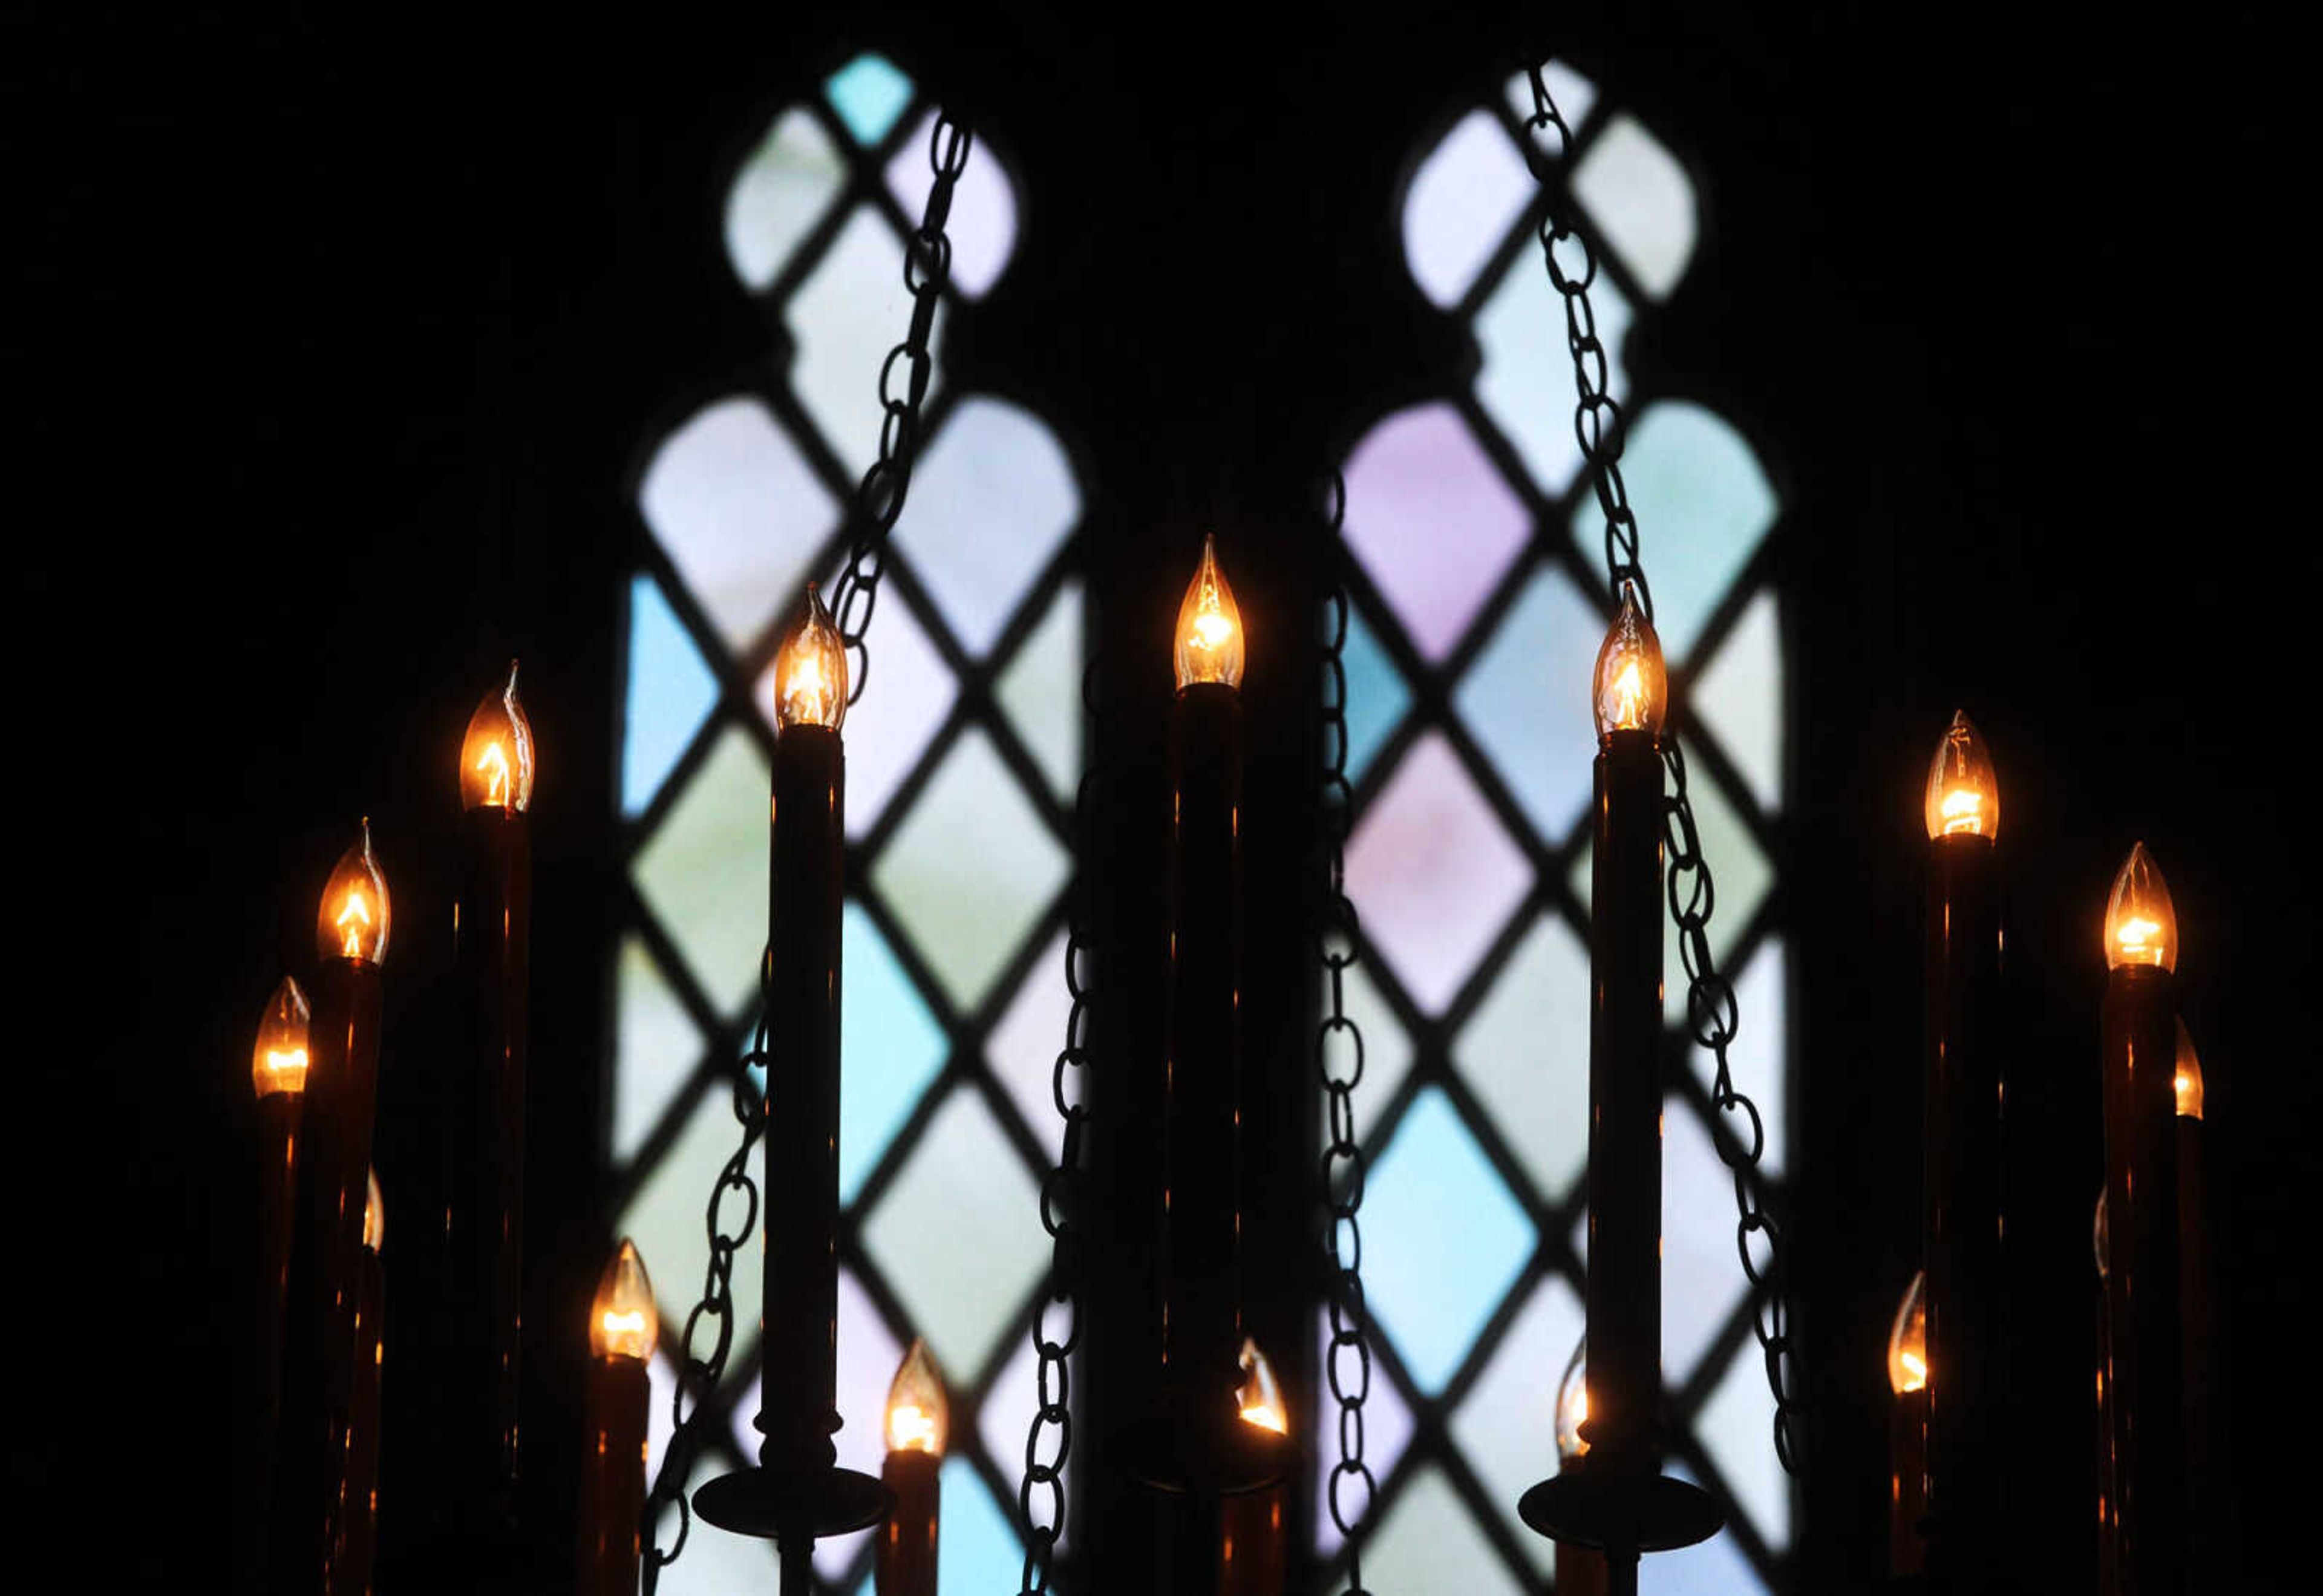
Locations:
(374, 1231)
(2101, 1241)
(1573, 1404)
(1209, 626)
(918, 1418)
(811, 670)
(1630, 691)
(277, 1062)
(1907, 1343)
(353, 919)
(1963, 796)
(1258, 1395)
(2141, 927)
(623, 1322)
(496, 756)
(2187, 1080)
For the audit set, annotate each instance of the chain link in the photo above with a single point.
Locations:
(1339, 1061)
(1713, 1015)
(879, 501)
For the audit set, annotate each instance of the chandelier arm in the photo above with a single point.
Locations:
(879, 501)
(1339, 1063)
(1713, 1015)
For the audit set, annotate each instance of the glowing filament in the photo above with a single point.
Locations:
(2141, 923)
(1908, 1342)
(354, 921)
(1258, 1395)
(811, 670)
(1210, 646)
(278, 1060)
(375, 1226)
(1963, 795)
(1631, 691)
(493, 766)
(918, 1418)
(496, 755)
(622, 1320)
(1573, 1404)
(355, 915)
(2187, 1082)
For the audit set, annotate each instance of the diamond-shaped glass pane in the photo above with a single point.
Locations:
(739, 513)
(1526, 384)
(894, 1048)
(1738, 864)
(868, 1358)
(656, 1051)
(982, 226)
(1024, 1043)
(664, 1217)
(1007, 1411)
(1376, 694)
(1465, 197)
(670, 690)
(956, 1235)
(1506, 1429)
(1041, 689)
(869, 93)
(1641, 201)
(968, 908)
(1740, 696)
(1756, 1059)
(703, 873)
(1443, 1239)
(1573, 93)
(1702, 1278)
(1387, 1048)
(843, 320)
(989, 504)
(1737, 1427)
(1428, 1541)
(1526, 698)
(1525, 1053)
(1704, 504)
(1387, 1431)
(1434, 874)
(779, 195)
(1431, 520)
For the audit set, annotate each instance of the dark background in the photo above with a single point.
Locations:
(337, 336)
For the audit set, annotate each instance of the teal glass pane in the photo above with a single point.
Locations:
(781, 192)
(991, 502)
(1428, 1542)
(843, 320)
(869, 93)
(1739, 696)
(1376, 694)
(1443, 1240)
(1041, 689)
(703, 872)
(1736, 1428)
(1465, 195)
(982, 226)
(1525, 383)
(1525, 699)
(956, 1235)
(656, 1049)
(1703, 504)
(664, 1217)
(971, 870)
(1641, 201)
(976, 1548)
(1525, 1053)
(1506, 1427)
(1432, 520)
(669, 691)
(1701, 1278)
(894, 1048)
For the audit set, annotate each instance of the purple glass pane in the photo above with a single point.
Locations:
(1464, 198)
(1431, 520)
(1387, 1431)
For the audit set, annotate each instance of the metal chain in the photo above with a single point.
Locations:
(1339, 1061)
(1712, 1012)
(879, 501)
(1048, 1439)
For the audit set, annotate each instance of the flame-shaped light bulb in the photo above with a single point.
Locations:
(811, 670)
(2188, 1079)
(2141, 925)
(919, 1419)
(496, 756)
(374, 1232)
(1630, 690)
(1209, 626)
(1573, 1404)
(277, 1062)
(1907, 1343)
(353, 919)
(623, 1322)
(1963, 796)
(1260, 1396)
(2100, 1240)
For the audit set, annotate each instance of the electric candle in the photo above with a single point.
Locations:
(918, 1422)
(357, 1512)
(1579, 1570)
(623, 1326)
(2108, 1551)
(277, 1068)
(1907, 1382)
(1253, 1550)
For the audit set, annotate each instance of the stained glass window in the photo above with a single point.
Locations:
(962, 755)
(1480, 601)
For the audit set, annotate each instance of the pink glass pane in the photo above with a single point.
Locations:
(1464, 198)
(982, 226)
(1431, 520)
(1387, 1431)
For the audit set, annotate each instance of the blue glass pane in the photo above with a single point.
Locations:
(1526, 700)
(894, 1048)
(976, 1550)
(869, 93)
(1443, 1240)
(1376, 695)
(1714, 1567)
(670, 690)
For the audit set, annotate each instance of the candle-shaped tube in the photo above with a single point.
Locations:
(1962, 1195)
(1623, 1288)
(277, 1068)
(1908, 1384)
(1579, 1570)
(2208, 1507)
(807, 883)
(2109, 1553)
(623, 1326)
(918, 1424)
(1201, 1317)
(1252, 1547)
(357, 1512)
(2139, 1064)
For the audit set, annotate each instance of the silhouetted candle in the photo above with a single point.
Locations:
(918, 1424)
(623, 1326)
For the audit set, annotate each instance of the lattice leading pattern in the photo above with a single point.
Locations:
(962, 758)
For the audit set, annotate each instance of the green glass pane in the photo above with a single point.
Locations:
(1641, 201)
(1042, 691)
(670, 688)
(1526, 383)
(843, 320)
(1525, 1053)
(991, 502)
(869, 93)
(1505, 1427)
(957, 1237)
(703, 873)
(1443, 1240)
(664, 1216)
(1428, 1542)
(655, 1048)
(1736, 1428)
(1526, 698)
(971, 870)
(1704, 504)
(1739, 696)
(894, 1048)
(1377, 697)
(779, 195)
(1387, 1047)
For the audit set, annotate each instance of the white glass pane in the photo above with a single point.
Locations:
(654, 1051)
(1466, 195)
(779, 195)
(1643, 203)
(1428, 1542)
(1525, 1052)
(1041, 689)
(1740, 696)
(982, 226)
(1572, 94)
(1526, 384)
(989, 506)
(703, 873)
(1737, 1427)
(1024, 1044)
(1507, 1427)
(849, 312)
(1702, 1277)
